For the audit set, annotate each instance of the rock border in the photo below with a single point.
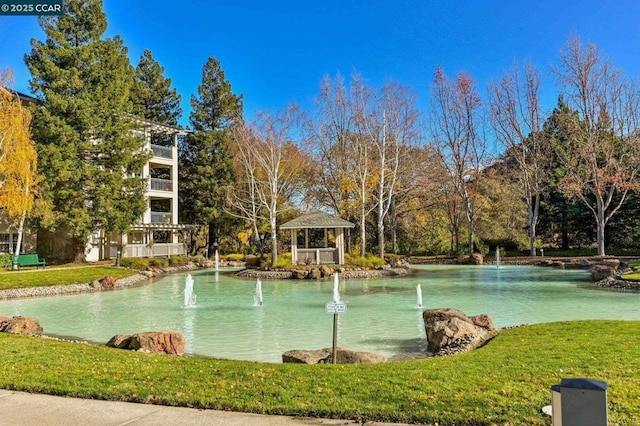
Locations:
(316, 274)
(98, 285)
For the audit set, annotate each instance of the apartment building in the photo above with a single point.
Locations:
(157, 233)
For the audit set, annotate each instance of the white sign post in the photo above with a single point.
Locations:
(335, 308)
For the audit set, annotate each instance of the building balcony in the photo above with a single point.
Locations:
(161, 185)
(161, 217)
(162, 151)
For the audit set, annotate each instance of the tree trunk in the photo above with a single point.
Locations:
(19, 242)
(381, 238)
(79, 244)
(274, 240)
(564, 225)
(363, 232)
(212, 240)
(533, 209)
(600, 231)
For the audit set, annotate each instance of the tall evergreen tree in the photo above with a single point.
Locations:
(205, 161)
(87, 152)
(564, 221)
(152, 95)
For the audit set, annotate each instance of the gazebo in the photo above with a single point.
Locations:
(317, 238)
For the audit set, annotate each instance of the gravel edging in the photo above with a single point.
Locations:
(59, 290)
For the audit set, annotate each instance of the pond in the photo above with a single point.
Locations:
(382, 314)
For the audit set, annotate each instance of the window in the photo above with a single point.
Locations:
(8, 242)
(161, 237)
(136, 237)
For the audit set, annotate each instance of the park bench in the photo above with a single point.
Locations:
(28, 260)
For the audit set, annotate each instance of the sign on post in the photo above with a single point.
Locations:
(335, 308)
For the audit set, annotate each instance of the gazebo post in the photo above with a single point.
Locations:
(294, 246)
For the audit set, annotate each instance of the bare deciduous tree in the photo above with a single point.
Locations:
(517, 121)
(272, 168)
(604, 160)
(456, 127)
(390, 122)
(345, 158)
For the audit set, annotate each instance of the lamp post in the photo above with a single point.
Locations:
(262, 236)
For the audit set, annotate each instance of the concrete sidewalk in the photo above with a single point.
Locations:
(19, 408)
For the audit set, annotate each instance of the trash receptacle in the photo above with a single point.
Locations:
(579, 402)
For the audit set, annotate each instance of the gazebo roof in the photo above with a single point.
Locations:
(317, 219)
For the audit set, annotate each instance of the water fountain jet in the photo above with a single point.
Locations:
(419, 295)
(336, 291)
(257, 297)
(498, 257)
(189, 296)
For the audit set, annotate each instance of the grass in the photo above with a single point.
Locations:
(506, 382)
(635, 275)
(61, 276)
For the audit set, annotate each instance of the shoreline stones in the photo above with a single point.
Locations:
(323, 272)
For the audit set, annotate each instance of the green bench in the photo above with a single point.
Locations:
(28, 260)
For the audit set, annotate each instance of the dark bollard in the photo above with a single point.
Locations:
(579, 402)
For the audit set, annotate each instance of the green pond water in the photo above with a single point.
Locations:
(382, 314)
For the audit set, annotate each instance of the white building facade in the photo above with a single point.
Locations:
(158, 233)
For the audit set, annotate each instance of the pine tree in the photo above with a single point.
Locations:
(205, 161)
(152, 95)
(88, 154)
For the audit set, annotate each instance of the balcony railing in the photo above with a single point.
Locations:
(162, 151)
(317, 256)
(161, 184)
(144, 250)
(161, 217)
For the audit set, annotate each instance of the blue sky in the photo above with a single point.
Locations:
(278, 51)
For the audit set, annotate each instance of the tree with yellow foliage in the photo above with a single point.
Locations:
(18, 158)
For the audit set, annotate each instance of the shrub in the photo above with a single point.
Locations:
(284, 261)
(234, 257)
(159, 262)
(175, 260)
(5, 260)
(137, 263)
(198, 259)
(391, 258)
(367, 261)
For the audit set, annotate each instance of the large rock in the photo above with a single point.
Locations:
(325, 271)
(324, 356)
(167, 342)
(345, 356)
(298, 274)
(107, 283)
(451, 331)
(314, 274)
(298, 356)
(21, 325)
(600, 272)
(474, 259)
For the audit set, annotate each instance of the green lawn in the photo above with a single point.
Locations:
(506, 382)
(633, 276)
(59, 276)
